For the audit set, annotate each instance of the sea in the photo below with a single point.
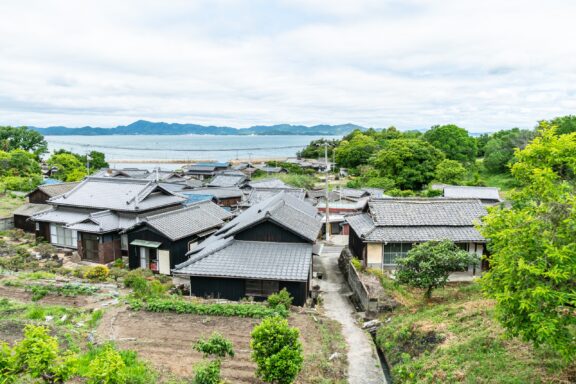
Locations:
(171, 151)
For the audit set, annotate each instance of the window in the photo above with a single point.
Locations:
(462, 246)
(192, 245)
(124, 242)
(63, 236)
(261, 288)
(394, 250)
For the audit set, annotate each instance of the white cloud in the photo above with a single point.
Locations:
(483, 65)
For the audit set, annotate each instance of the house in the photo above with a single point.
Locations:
(266, 248)
(487, 195)
(224, 197)
(257, 195)
(270, 170)
(23, 214)
(267, 183)
(159, 242)
(393, 225)
(225, 180)
(91, 216)
(45, 192)
(205, 170)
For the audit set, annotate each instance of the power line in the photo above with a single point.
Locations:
(176, 150)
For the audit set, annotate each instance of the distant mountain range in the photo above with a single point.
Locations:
(143, 127)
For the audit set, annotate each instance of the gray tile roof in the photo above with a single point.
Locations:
(483, 193)
(250, 260)
(219, 193)
(436, 212)
(133, 195)
(30, 209)
(61, 215)
(283, 209)
(268, 183)
(188, 221)
(54, 190)
(417, 220)
(257, 195)
(227, 180)
(103, 222)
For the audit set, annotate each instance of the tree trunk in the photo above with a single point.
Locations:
(428, 293)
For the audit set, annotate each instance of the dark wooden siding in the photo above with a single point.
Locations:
(271, 232)
(23, 223)
(177, 248)
(43, 233)
(235, 289)
(38, 197)
(356, 245)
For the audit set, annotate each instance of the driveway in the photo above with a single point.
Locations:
(363, 363)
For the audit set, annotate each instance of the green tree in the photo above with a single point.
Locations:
(454, 141)
(499, 150)
(450, 172)
(357, 151)
(533, 260)
(564, 124)
(276, 350)
(410, 163)
(12, 138)
(428, 265)
(315, 149)
(217, 346)
(68, 165)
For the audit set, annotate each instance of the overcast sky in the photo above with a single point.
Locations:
(484, 65)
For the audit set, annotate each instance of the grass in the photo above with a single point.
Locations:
(8, 203)
(455, 338)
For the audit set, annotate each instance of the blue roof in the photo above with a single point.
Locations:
(191, 199)
(51, 181)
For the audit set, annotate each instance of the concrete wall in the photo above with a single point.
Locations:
(374, 251)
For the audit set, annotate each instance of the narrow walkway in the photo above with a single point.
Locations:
(363, 363)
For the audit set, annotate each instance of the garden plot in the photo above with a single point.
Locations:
(166, 339)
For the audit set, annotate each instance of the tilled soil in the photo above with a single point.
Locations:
(166, 339)
(19, 294)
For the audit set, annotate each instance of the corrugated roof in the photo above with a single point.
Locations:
(250, 260)
(30, 209)
(483, 193)
(118, 195)
(188, 221)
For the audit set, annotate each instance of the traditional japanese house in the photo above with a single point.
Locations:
(45, 192)
(91, 216)
(161, 241)
(266, 248)
(392, 226)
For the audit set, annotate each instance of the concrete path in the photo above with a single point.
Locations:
(363, 363)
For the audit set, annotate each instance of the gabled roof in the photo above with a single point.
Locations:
(103, 222)
(282, 209)
(219, 193)
(194, 219)
(30, 209)
(61, 215)
(133, 195)
(417, 220)
(257, 195)
(268, 183)
(232, 258)
(53, 190)
(483, 193)
(227, 180)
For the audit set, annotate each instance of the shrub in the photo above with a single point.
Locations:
(357, 264)
(97, 273)
(207, 372)
(38, 354)
(107, 367)
(135, 276)
(282, 298)
(117, 273)
(16, 234)
(7, 364)
(45, 249)
(276, 350)
(217, 345)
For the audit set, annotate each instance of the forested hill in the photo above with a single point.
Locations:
(143, 127)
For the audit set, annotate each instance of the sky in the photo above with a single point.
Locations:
(484, 65)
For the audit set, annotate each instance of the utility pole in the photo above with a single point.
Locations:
(88, 164)
(327, 193)
(249, 162)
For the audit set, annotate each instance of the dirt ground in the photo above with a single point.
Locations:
(166, 339)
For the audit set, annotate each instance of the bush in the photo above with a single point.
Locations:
(16, 234)
(217, 345)
(134, 277)
(38, 354)
(118, 273)
(282, 298)
(107, 367)
(357, 264)
(97, 273)
(276, 350)
(207, 372)
(45, 249)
